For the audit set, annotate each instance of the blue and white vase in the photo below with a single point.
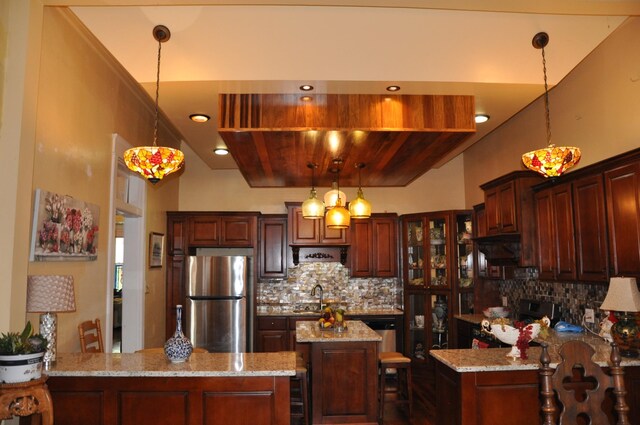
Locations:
(178, 348)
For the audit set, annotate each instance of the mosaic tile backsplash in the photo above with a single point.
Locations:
(338, 288)
(573, 297)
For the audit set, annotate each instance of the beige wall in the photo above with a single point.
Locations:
(203, 189)
(83, 97)
(596, 107)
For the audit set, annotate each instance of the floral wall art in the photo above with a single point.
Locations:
(64, 228)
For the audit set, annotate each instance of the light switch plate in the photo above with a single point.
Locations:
(504, 301)
(589, 316)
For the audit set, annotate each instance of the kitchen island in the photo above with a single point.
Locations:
(485, 387)
(210, 388)
(344, 369)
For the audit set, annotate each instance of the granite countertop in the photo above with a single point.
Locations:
(289, 311)
(309, 331)
(198, 365)
(495, 359)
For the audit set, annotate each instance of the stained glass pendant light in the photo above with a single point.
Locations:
(155, 162)
(312, 208)
(553, 160)
(337, 217)
(360, 207)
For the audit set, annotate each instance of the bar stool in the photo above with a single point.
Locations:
(300, 395)
(403, 390)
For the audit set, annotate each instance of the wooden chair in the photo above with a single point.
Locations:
(160, 350)
(90, 337)
(579, 401)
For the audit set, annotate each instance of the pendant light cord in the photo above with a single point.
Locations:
(546, 97)
(155, 126)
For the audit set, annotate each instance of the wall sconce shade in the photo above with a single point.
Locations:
(155, 162)
(553, 160)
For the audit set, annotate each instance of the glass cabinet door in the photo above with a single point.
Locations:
(416, 338)
(438, 252)
(439, 308)
(415, 253)
(464, 270)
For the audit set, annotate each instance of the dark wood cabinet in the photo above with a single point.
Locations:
(374, 246)
(590, 229)
(622, 187)
(556, 242)
(306, 232)
(273, 246)
(510, 219)
(207, 230)
(272, 334)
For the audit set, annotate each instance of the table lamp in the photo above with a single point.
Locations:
(50, 294)
(623, 296)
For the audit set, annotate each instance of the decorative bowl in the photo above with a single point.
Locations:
(518, 338)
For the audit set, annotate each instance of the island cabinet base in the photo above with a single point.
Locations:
(509, 397)
(344, 382)
(170, 400)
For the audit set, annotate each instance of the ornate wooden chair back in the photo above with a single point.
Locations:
(90, 337)
(576, 356)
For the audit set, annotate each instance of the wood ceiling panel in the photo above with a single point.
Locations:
(273, 137)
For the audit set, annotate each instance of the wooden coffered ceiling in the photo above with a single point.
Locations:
(273, 137)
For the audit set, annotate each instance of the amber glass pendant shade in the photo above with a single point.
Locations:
(338, 217)
(553, 160)
(360, 207)
(155, 162)
(312, 207)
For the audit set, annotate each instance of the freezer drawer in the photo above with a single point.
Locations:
(220, 325)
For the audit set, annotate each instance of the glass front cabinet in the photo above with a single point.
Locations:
(437, 262)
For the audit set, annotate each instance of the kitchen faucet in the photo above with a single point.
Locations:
(313, 293)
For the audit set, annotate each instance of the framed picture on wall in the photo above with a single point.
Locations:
(156, 249)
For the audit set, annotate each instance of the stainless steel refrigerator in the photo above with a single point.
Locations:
(218, 306)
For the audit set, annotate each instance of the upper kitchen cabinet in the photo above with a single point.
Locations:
(311, 232)
(622, 187)
(222, 230)
(273, 246)
(510, 219)
(426, 244)
(374, 246)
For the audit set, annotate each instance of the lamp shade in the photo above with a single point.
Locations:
(50, 293)
(332, 196)
(312, 207)
(623, 295)
(338, 217)
(360, 207)
(551, 161)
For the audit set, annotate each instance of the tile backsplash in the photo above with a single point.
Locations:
(338, 287)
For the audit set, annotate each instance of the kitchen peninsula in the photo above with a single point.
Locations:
(210, 388)
(344, 372)
(485, 387)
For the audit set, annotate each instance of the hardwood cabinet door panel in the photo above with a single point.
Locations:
(507, 208)
(175, 291)
(78, 407)
(204, 231)
(237, 231)
(272, 341)
(333, 236)
(590, 229)
(544, 221)
(177, 232)
(361, 248)
(303, 231)
(273, 247)
(233, 408)
(152, 407)
(623, 215)
(385, 250)
(563, 232)
(491, 211)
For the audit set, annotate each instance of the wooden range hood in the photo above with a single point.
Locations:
(273, 137)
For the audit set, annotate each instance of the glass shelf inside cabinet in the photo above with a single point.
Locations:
(415, 253)
(439, 321)
(464, 251)
(417, 320)
(438, 252)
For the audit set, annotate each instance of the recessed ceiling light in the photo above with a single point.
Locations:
(393, 88)
(306, 98)
(199, 117)
(221, 151)
(306, 87)
(480, 118)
